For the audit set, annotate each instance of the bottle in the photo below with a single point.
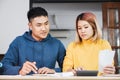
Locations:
(1, 68)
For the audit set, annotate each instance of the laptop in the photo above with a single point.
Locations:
(87, 73)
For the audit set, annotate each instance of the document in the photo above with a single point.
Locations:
(105, 58)
(61, 74)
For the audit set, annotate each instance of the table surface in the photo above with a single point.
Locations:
(31, 77)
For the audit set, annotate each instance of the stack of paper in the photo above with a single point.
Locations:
(62, 74)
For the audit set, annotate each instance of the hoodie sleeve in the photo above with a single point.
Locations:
(10, 60)
(61, 55)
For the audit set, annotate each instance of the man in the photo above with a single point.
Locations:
(35, 51)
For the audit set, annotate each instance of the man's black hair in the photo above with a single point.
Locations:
(35, 12)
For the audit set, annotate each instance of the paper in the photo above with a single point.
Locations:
(67, 74)
(61, 74)
(105, 58)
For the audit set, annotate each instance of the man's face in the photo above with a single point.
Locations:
(40, 27)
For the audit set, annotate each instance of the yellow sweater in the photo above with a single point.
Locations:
(84, 55)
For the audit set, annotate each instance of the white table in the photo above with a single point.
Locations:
(30, 77)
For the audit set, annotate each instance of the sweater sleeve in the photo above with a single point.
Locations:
(68, 60)
(106, 45)
(10, 60)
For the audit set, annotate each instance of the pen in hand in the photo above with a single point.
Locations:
(33, 66)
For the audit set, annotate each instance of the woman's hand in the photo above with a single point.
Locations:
(74, 70)
(109, 69)
(79, 69)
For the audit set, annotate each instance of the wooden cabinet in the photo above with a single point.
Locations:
(111, 27)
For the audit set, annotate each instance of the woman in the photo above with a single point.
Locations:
(83, 53)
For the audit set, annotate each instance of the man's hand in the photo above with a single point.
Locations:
(28, 67)
(46, 70)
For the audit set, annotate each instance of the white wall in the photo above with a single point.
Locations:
(13, 21)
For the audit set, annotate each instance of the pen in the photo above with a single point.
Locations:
(33, 66)
(26, 59)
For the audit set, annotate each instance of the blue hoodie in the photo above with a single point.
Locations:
(45, 53)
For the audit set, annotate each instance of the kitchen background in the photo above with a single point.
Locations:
(13, 19)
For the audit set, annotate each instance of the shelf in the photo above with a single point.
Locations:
(60, 37)
(62, 29)
(115, 47)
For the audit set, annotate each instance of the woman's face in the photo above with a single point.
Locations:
(85, 30)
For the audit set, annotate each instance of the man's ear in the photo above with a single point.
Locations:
(30, 26)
